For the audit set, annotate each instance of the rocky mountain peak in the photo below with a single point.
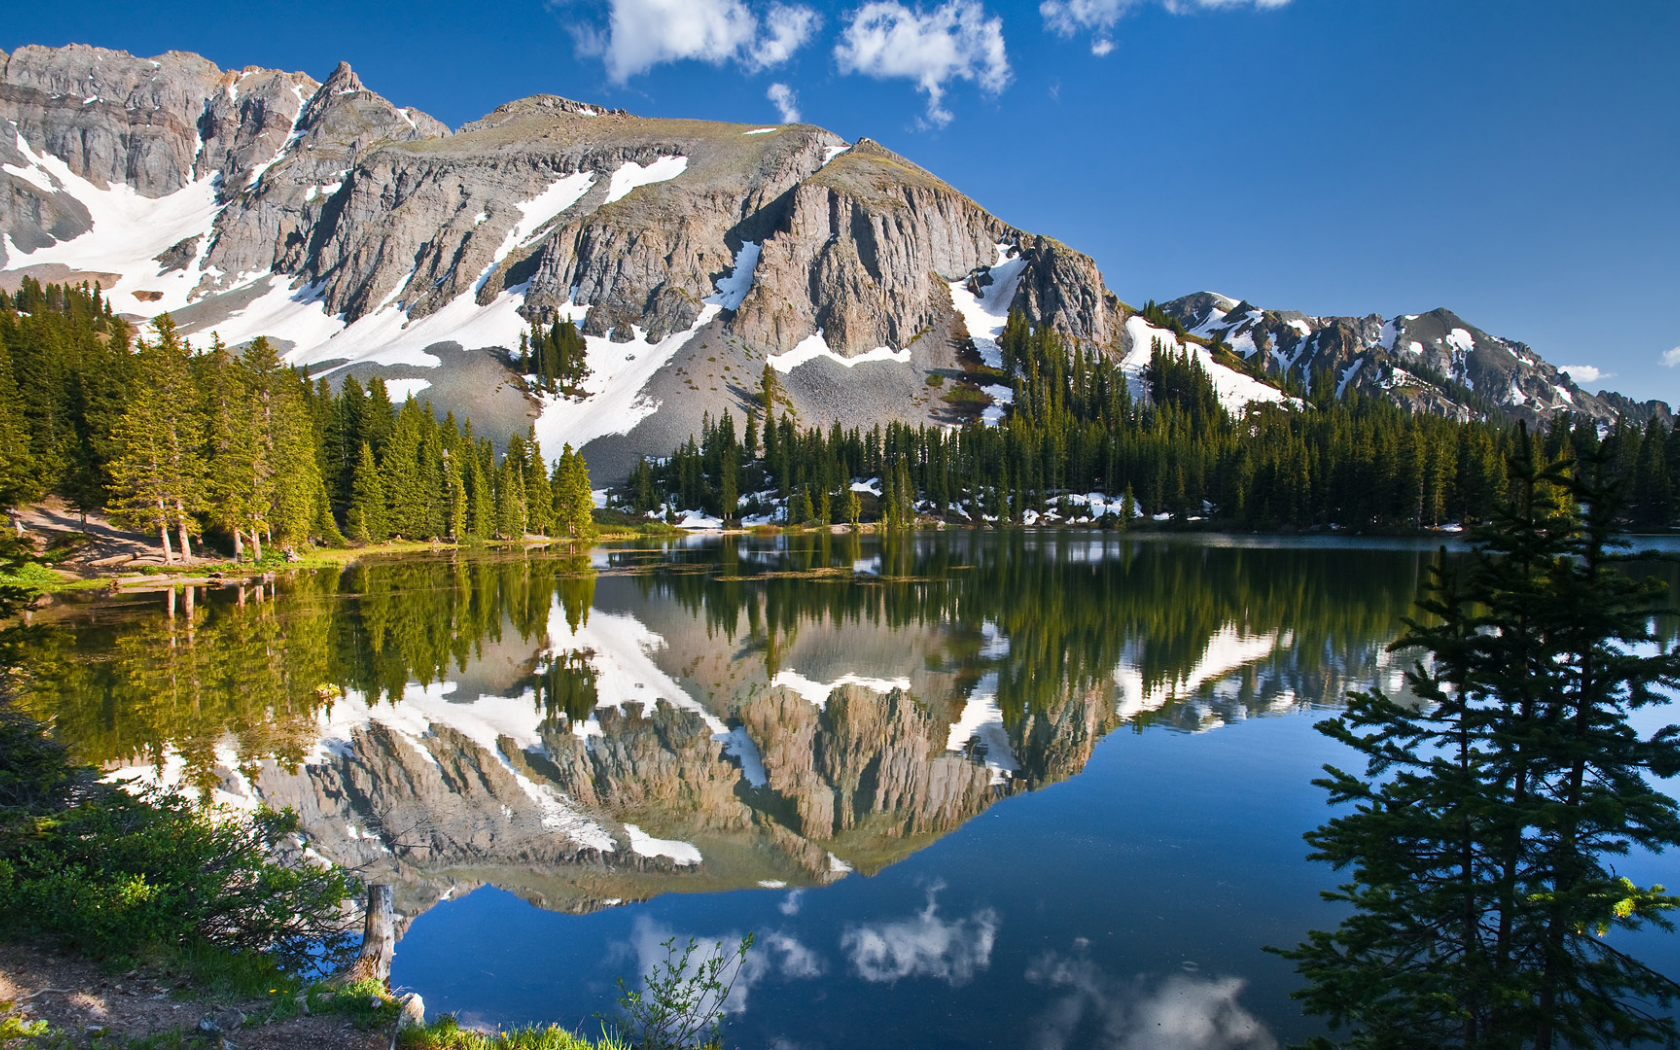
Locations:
(371, 239)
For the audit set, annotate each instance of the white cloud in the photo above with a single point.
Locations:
(786, 29)
(641, 34)
(923, 946)
(1182, 1012)
(1592, 374)
(954, 41)
(1099, 17)
(1671, 357)
(786, 100)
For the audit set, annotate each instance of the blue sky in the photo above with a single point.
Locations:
(1513, 161)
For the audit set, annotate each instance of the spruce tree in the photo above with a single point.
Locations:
(510, 501)
(158, 472)
(365, 520)
(574, 499)
(1480, 836)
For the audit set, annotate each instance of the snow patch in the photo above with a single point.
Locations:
(815, 346)
(984, 314)
(128, 232)
(1235, 389)
(546, 206)
(401, 390)
(613, 402)
(630, 175)
(818, 692)
(1002, 397)
(647, 846)
(732, 289)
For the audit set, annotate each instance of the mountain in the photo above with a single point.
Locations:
(369, 239)
(1434, 362)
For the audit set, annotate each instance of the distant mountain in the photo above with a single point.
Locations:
(369, 239)
(1433, 362)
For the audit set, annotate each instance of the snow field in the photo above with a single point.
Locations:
(128, 232)
(1235, 390)
(815, 346)
(631, 175)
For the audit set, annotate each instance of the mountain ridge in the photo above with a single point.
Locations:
(371, 239)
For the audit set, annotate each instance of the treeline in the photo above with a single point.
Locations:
(183, 442)
(1075, 428)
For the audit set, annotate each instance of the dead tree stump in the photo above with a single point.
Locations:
(379, 937)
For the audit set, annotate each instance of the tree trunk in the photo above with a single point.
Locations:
(163, 537)
(256, 545)
(379, 937)
(181, 527)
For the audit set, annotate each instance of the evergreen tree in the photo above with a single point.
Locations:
(365, 521)
(481, 501)
(158, 474)
(574, 497)
(510, 500)
(1480, 832)
(539, 493)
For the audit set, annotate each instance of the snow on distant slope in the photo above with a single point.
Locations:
(814, 346)
(985, 314)
(537, 212)
(732, 289)
(630, 175)
(386, 336)
(128, 232)
(1235, 389)
(618, 371)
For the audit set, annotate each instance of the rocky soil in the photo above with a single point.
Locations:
(83, 1001)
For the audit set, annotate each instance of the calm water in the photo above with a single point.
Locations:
(967, 790)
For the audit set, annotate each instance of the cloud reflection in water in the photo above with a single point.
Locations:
(1181, 1012)
(950, 950)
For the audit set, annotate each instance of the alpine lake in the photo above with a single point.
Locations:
(966, 789)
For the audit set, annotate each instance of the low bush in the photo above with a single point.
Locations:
(120, 876)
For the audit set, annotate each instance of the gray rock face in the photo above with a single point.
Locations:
(362, 206)
(1432, 362)
(346, 206)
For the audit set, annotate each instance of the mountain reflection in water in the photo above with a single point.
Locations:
(586, 731)
(754, 709)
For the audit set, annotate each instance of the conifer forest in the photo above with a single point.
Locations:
(184, 441)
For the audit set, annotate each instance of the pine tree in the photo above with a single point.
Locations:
(365, 520)
(510, 501)
(574, 498)
(539, 492)
(158, 473)
(481, 500)
(1478, 836)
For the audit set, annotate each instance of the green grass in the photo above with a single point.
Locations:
(34, 576)
(446, 1034)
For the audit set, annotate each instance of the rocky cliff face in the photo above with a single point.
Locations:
(1433, 362)
(366, 238)
(362, 235)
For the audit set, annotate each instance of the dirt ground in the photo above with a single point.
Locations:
(82, 1001)
(110, 550)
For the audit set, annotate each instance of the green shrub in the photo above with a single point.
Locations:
(965, 395)
(685, 994)
(119, 876)
(446, 1034)
(935, 380)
